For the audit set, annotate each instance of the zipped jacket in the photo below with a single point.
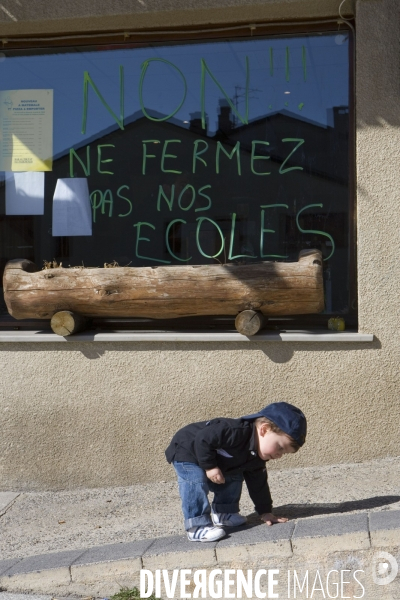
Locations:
(229, 444)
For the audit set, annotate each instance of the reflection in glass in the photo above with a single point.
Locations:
(195, 153)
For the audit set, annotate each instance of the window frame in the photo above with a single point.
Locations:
(193, 34)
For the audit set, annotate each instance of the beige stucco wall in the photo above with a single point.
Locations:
(92, 414)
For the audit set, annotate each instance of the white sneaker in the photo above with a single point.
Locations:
(205, 533)
(228, 519)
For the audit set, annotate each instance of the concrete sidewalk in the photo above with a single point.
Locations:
(94, 541)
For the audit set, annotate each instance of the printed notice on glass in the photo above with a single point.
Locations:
(72, 211)
(24, 193)
(26, 125)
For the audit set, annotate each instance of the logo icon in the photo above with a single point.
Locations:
(384, 568)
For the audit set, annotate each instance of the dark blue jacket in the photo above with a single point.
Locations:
(229, 444)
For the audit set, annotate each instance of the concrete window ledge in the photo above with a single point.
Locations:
(187, 336)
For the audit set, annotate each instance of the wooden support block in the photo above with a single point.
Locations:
(249, 322)
(66, 322)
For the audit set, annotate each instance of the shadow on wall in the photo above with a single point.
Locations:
(284, 352)
(277, 352)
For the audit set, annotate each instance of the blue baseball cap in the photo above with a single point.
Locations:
(287, 417)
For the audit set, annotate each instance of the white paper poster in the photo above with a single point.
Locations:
(25, 193)
(72, 211)
(26, 125)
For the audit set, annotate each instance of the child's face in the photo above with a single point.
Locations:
(272, 445)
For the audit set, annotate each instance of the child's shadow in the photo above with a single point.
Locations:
(302, 511)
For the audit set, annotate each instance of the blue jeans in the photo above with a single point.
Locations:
(194, 486)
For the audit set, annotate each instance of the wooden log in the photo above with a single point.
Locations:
(273, 288)
(249, 322)
(66, 322)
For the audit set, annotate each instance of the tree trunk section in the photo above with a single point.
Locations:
(66, 322)
(272, 288)
(249, 322)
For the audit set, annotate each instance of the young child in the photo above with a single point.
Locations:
(218, 455)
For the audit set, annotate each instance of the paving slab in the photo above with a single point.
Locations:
(108, 563)
(46, 562)
(113, 552)
(42, 573)
(5, 565)
(175, 551)
(255, 542)
(6, 499)
(257, 534)
(331, 534)
(384, 528)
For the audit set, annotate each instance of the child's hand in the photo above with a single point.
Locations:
(270, 519)
(215, 475)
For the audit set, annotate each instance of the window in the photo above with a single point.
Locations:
(228, 150)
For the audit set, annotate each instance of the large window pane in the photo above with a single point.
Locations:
(194, 153)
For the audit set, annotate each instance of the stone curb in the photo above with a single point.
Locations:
(114, 562)
(331, 534)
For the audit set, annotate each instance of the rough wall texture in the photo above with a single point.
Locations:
(102, 414)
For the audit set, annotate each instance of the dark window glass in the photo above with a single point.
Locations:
(194, 153)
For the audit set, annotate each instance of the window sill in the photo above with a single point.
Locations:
(187, 336)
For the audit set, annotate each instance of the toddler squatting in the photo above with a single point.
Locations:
(217, 455)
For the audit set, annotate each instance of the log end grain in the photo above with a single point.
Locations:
(66, 322)
(249, 322)
(312, 257)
